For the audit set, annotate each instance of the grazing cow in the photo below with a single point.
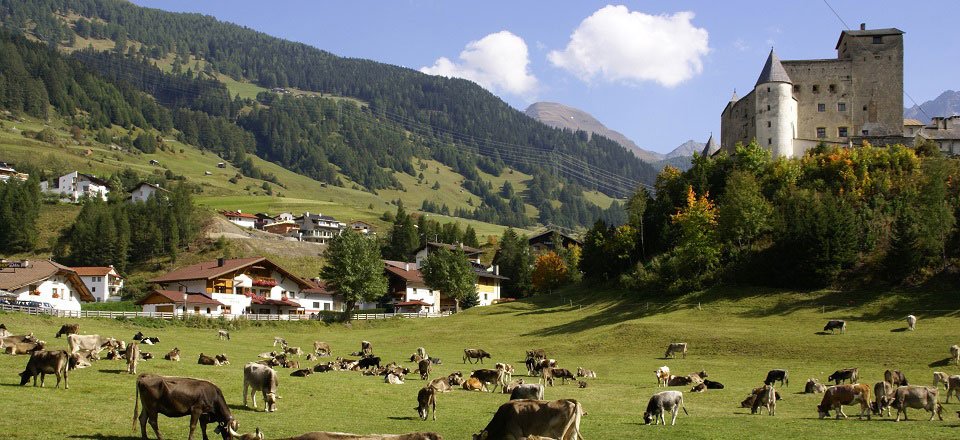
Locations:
(511, 386)
(279, 341)
(42, 363)
(94, 343)
(222, 359)
(839, 395)
(469, 354)
(207, 360)
(532, 391)
(955, 354)
(393, 378)
(426, 399)
(260, 378)
(563, 374)
(369, 361)
(883, 398)
(173, 355)
(474, 384)
(674, 348)
(941, 377)
(321, 348)
(424, 368)
(664, 401)
(180, 396)
(953, 387)
(813, 386)
(586, 373)
(132, 355)
(663, 376)
(302, 372)
(836, 324)
(68, 329)
(223, 334)
(766, 398)
(536, 353)
(488, 376)
(895, 377)
(775, 375)
(25, 347)
(366, 347)
(911, 322)
(519, 419)
(751, 398)
(293, 351)
(851, 374)
(323, 435)
(917, 397)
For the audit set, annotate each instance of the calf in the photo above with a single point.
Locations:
(836, 324)
(469, 354)
(393, 378)
(563, 374)
(173, 355)
(260, 378)
(674, 348)
(532, 391)
(25, 347)
(813, 386)
(426, 400)
(883, 398)
(302, 372)
(523, 419)
(474, 384)
(132, 355)
(207, 360)
(911, 322)
(321, 348)
(895, 377)
(146, 355)
(953, 387)
(917, 397)
(671, 401)
(777, 375)
(507, 371)
(766, 398)
(839, 395)
(663, 376)
(223, 334)
(42, 363)
(68, 329)
(222, 359)
(423, 367)
(586, 373)
(851, 374)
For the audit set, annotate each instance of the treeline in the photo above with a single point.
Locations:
(409, 233)
(19, 211)
(865, 213)
(124, 234)
(449, 105)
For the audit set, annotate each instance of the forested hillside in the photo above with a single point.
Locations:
(408, 116)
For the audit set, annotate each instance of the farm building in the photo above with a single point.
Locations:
(407, 292)
(550, 240)
(170, 301)
(44, 281)
(103, 282)
(74, 186)
(488, 277)
(144, 191)
(240, 218)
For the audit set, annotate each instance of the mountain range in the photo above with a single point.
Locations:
(947, 104)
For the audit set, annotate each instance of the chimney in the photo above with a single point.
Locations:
(863, 26)
(496, 269)
(406, 267)
(220, 262)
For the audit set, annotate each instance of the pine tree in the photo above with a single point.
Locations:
(404, 239)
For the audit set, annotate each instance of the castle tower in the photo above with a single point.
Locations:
(710, 148)
(776, 108)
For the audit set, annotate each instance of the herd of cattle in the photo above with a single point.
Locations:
(525, 416)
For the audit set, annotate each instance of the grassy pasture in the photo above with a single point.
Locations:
(621, 337)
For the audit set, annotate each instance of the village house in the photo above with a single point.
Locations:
(406, 292)
(318, 228)
(240, 218)
(144, 190)
(44, 281)
(7, 172)
(488, 277)
(243, 285)
(551, 240)
(262, 220)
(284, 217)
(287, 228)
(74, 186)
(320, 298)
(944, 131)
(103, 282)
(362, 227)
(169, 301)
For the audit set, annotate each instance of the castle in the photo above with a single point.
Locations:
(798, 104)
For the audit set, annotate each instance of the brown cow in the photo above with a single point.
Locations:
(321, 348)
(469, 354)
(883, 398)
(426, 399)
(424, 368)
(68, 329)
(518, 419)
(839, 395)
(132, 355)
(42, 363)
(173, 355)
(953, 387)
(895, 377)
(474, 384)
(25, 347)
(207, 360)
(180, 396)
(917, 398)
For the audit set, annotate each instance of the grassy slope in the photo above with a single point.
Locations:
(735, 340)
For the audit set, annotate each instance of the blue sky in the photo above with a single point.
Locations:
(658, 71)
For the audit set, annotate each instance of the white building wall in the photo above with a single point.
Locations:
(100, 288)
(68, 298)
(242, 222)
(178, 309)
(426, 295)
(781, 118)
(142, 193)
(316, 302)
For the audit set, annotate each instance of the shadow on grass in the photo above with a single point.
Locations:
(823, 333)
(112, 371)
(403, 418)
(240, 407)
(945, 362)
(898, 330)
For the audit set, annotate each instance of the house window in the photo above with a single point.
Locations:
(816, 88)
(877, 39)
(864, 108)
(196, 309)
(485, 296)
(865, 132)
(264, 311)
(94, 289)
(208, 310)
(821, 132)
(316, 304)
(841, 106)
(842, 132)
(226, 310)
(768, 107)
(821, 107)
(832, 88)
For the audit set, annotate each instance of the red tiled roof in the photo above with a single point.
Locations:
(466, 249)
(412, 277)
(39, 271)
(318, 287)
(89, 271)
(210, 270)
(416, 302)
(238, 214)
(176, 297)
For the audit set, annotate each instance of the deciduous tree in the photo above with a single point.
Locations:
(354, 269)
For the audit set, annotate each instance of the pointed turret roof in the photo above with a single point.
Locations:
(734, 97)
(773, 71)
(710, 148)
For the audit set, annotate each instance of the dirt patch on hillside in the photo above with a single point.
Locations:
(258, 242)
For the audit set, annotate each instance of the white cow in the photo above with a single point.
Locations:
(93, 343)
(261, 378)
(664, 401)
(663, 376)
(911, 322)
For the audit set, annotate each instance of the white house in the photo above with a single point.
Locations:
(243, 285)
(407, 291)
(7, 172)
(167, 301)
(318, 228)
(240, 218)
(488, 277)
(103, 282)
(72, 187)
(363, 227)
(143, 191)
(319, 298)
(44, 281)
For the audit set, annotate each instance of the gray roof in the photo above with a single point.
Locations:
(710, 148)
(773, 71)
(869, 32)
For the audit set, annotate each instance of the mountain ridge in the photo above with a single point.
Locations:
(946, 104)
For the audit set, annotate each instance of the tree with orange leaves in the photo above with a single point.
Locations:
(697, 254)
(549, 272)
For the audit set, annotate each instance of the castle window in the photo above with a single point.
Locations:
(865, 132)
(796, 88)
(768, 107)
(769, 141)
(821, 132)
(842, 132)
(832, 88)
(768, 124)
(878, 39)
(821, 107)
(841, 106)
(768, 89)
(816, 89)
(864, 108)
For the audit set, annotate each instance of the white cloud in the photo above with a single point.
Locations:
(741, 45)
(498, 62)
(616, 44)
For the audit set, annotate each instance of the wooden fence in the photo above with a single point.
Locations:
(171, 315)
